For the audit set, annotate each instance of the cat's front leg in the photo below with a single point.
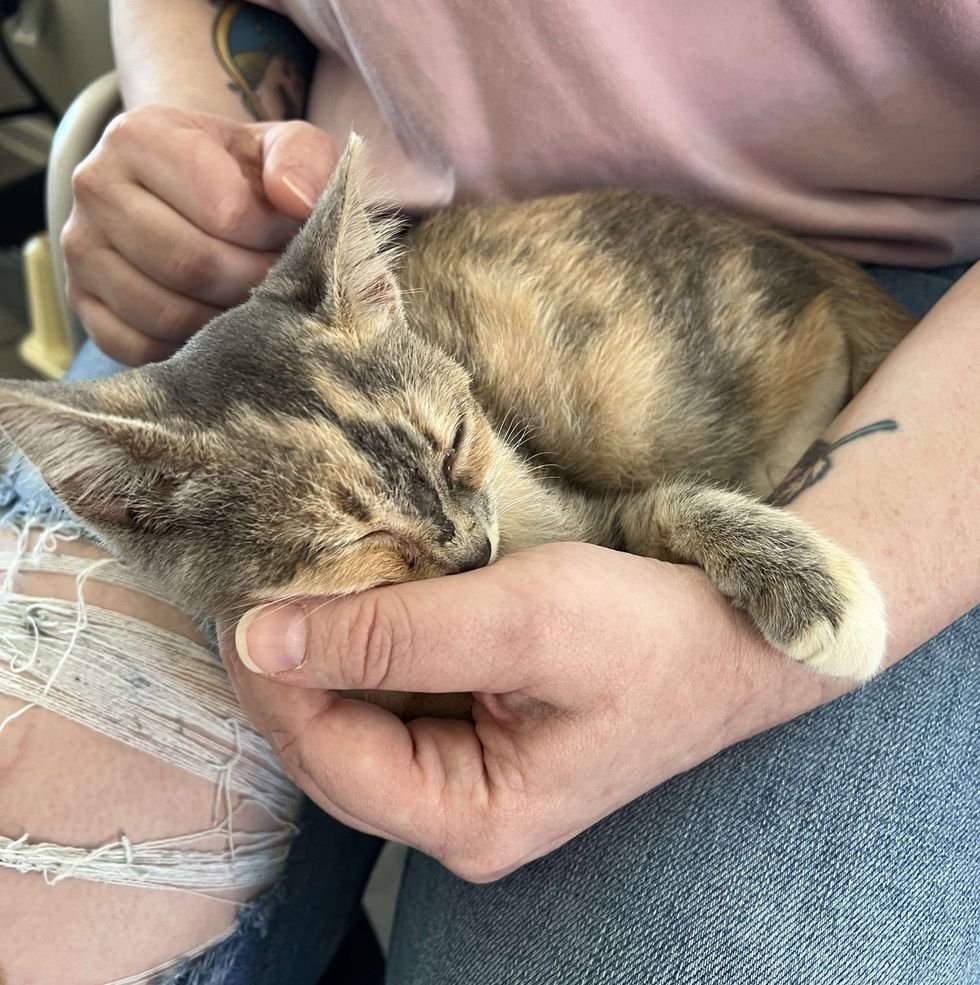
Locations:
(809, 599)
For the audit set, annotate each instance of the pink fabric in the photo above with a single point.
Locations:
(853, 122)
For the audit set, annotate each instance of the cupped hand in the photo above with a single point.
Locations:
(177, 215)
(596, 676)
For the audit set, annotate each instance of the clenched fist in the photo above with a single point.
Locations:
(177, 215)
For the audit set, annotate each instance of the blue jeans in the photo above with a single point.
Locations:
(842, 848)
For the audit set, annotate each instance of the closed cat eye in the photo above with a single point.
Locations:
(449, 461)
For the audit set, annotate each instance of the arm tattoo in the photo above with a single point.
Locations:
(269, 59)
(816, 463)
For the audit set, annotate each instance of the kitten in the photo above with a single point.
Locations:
(376, 414)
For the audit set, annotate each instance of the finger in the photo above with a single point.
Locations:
(217, 187)
(297, 159)
(471, 632)
(277, 711)
(165, 247)
(138, 301)
(115, 338)
(410, 782)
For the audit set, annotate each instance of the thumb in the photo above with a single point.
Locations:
(297, 159)
(466, 632)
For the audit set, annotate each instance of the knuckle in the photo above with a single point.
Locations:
(133, 124)
(487, 865)
(86, 180)
(193, 268)
(227, 213)
(175, 320)
(370, 653)
(71, 239)
(121, 127)
(132, 350)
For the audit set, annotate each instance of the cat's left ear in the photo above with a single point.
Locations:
(338, 266)
(116, 472)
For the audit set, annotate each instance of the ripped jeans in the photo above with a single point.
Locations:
(842, 847)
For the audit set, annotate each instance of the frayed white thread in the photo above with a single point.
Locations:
(224, 788)
(145, 686)
(81, 622)
(14, 715)
(157, 692)
(33, 620)
(19, 560)
(15, 556)
(151, 975)
(185, 863)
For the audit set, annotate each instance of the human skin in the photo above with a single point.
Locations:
(63, 783)
(765, 690)
(186, 201)
(154, 246)
(599, 675)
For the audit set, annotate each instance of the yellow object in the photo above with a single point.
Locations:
(46, 348)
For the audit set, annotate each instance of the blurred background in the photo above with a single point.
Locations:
(49, 51)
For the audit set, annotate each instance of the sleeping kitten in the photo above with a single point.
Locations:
(370, 415)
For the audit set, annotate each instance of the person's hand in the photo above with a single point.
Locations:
(597, 675)
(177, 215)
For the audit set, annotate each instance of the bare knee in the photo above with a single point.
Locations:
(66, 785)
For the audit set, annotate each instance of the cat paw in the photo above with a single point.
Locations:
(841, 630)
(809, 599)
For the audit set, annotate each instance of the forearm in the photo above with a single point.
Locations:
(906, 501)
(186, 53)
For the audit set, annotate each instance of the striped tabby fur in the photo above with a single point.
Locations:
(607, 366)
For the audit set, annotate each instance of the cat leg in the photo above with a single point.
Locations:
(809, 598)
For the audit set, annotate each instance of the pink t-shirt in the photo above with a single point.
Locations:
(853, 122)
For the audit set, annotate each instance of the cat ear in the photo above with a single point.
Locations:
(338, 265)
(113, 472)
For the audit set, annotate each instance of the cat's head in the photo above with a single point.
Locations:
(303, 442)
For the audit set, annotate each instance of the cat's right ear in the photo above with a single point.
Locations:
(114, 471)
(338, 266)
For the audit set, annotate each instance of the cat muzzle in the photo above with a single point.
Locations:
(480, 559)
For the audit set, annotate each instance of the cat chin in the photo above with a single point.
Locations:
(493, 533)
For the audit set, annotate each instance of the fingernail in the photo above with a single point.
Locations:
(272, 638)
(300, 187)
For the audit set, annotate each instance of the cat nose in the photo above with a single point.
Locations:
(480, 559)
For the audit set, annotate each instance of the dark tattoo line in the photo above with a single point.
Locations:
(270, 61)
(816, 463)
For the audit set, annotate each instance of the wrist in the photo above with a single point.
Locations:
(767, 689)
(751, 686)
(737, 684)
(905, 498)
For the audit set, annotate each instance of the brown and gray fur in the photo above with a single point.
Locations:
(608, 367)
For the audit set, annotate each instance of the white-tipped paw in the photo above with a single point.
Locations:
(850, 640)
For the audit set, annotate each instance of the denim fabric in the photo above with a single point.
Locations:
(840, 849)
(289, 935)
(843, 847)
(917, 290)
